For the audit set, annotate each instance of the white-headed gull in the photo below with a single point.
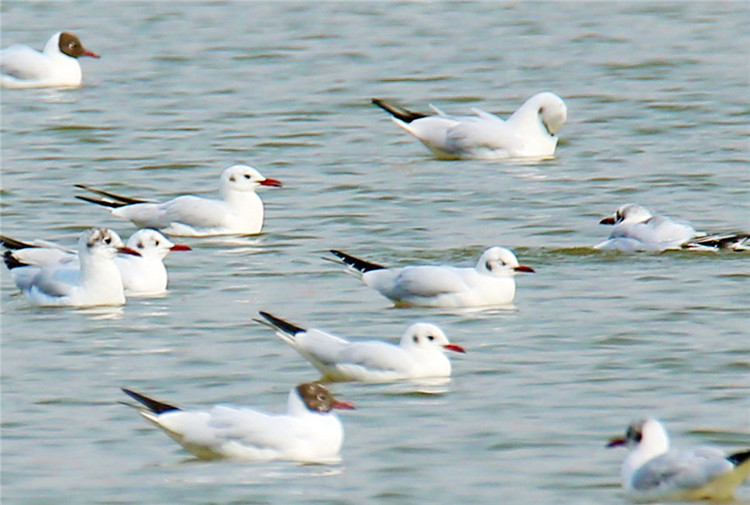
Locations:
(57, 65)
(489, 283)
(636, 229)
(91, 281)
(531, 131)
(309, 431)
(652, 472)
(144, 275)
(420, 353)
(239, 212)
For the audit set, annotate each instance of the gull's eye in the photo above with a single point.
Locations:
(322, 397)
(140, 245)
(157, 242)
(108, 240)
(231, 178)
(430, 338)
(248, 176)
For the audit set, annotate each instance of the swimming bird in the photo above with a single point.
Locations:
(142, 275)
(420, 353)
(309, 431)
(530, 132)
(489, 283)
(652, 472)
(239, 212)
(636, 229)
(57, 65)
(91, 281)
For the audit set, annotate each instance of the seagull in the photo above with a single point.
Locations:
(143, 275)
(309, 431)
(239, 212)
(56, 66)
(93, 280)
(531, 132)
(489, 283)
(636, 229)
(651, 472)
(420, 353)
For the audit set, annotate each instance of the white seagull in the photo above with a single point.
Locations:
(309, 431)
(420, 353)
(239, 212)
(531, 132)
(56, 66)
(636, 229)
(652, 472)
(489, 283)
(143, 275)
(91, 281)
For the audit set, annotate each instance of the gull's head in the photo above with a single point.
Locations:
(630, 213)
(245, 178)
(69, 44)
(552, 111)
(426, 336)
(152, 243)
(500, 262)
(318, 399)
(649, 433)
(102, 242)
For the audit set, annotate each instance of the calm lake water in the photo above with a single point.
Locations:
(658, 105)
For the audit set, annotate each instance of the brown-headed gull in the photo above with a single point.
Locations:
(636, 229)
(239, 212)
(420, 354)
(654, 473)
(489, 283)
(91, 281)
(530, 132)
(143, 275)
(56, 66)
(309, 431)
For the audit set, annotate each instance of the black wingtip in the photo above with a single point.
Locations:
(12, 243)
(97, 201)
(739, 458)
(154, 406)
(284, 326)
(397, 111)
(356, 263)
(11, 261)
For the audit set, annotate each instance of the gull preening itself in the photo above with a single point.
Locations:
(652, 472)
(420, 354)
(636, 229)
(309, 431)
(56, 66)
(93, 280)
(489, 283)
(239, 212)
(142, 275)
(530, 132)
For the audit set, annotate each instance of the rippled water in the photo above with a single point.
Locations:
(658, 105)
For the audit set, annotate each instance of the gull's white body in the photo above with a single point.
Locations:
(240, 210)
(652, 472)
(92, 281)
(225, 431)
(636, 229)
(419, 354)
(490, 283)
(24, 67)
(486, 136)
(144, 275)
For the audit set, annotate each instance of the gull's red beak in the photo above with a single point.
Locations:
(128, 250)
(180, 247)
(608, 220)
(454, 348)
(271, 182)
(524, 268)
(342, 405)
(616, 442)
(90, 54)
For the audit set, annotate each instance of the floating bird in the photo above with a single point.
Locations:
(239, 212)
(143, 275)
(636, 229)
(531, 132)
(652, 472)
(92, 280)
(420, 353)
(308, 432)
(56, 66)
(489, 283)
